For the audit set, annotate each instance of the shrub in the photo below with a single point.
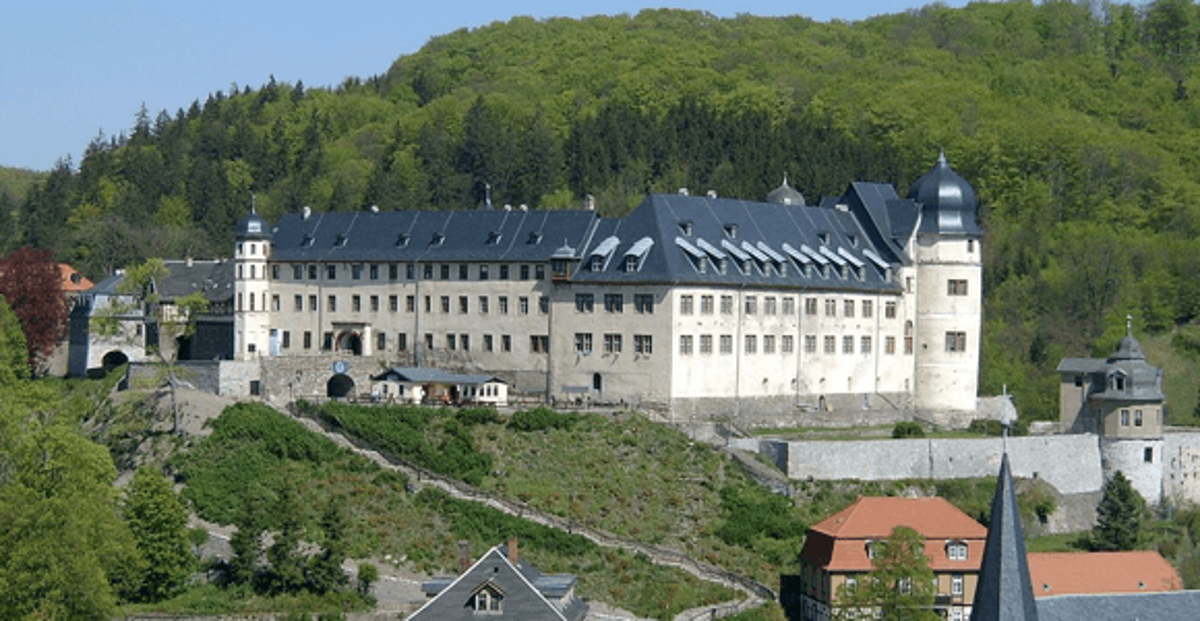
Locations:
(752, 512)
(908, 429)
(989, 427)
(540, 419)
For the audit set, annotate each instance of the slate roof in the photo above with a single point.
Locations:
(1168, 606)
(1143, 380)
(1078, 573)
(1004, 591)
(213, 278)
(423, 375)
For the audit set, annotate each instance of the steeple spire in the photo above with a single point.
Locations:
(1005, 592)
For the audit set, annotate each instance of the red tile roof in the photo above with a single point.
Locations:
(73, 281)
(1080, 573)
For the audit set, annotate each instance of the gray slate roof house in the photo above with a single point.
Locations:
(501, 585)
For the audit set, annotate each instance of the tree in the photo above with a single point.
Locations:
(30, 281)
(246, 542)
(286, 560)
(900, 583)
(1119, 517)
(368, 574)
(14, 356)
(158, 521)
(325, 571)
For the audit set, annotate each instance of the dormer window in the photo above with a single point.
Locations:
(402, 240)
(493, 238)
(871, 548)
(340, 240)
(307, 240)
(853, 240)
(731, 231)
(956, 551)
(597, 264)
(1118, 381)
(685, 227)
(437, 240)
(487, 599)
(534, 237)
(631, 263)
(824, 238)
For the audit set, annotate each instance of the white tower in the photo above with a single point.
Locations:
(949, 283)
(251, 325)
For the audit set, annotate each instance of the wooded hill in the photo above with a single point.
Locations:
(1078, 124)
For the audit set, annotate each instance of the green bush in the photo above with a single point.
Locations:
(540, 419)
(752, 512)
(989, 427)
(908, 429)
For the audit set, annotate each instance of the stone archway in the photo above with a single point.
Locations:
(113, 359)
(339, 386)
(350, 342)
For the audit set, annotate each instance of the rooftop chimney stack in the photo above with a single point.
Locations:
(512, 550)
(464, 555)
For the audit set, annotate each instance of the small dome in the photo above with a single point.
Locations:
(948, 200)
(252, 227)
(1128, 349)
(785, 195)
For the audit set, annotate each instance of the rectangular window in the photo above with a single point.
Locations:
(374, 304)
(1124, 418)
(394, 303)
(685, 345)
(889, 345)
(381, 341)
(464, 305)
(312, 272)
(331, 272)
(643, 303)
(751, 344)
(451, 342)
(810, 343)
(483, 272)
(727, 305)
(298, 303)
(751, 305)
(402, 342)
(612, 343)
(831, 308)
(769, 305)
(543, 304)
(297, 272)
(465, 341)
(410, 271)
(787, 344)
(706, 343)
(445, 304)
(956, 286)
(312, 303)
(831, 344)
(504, 272)
(410, 303)
(847, 344)
(287, 339)
(429, 341)
(726, 344)
(483, 305)
(356, 303)
(428, 272)
(583, 342)
(908, 345)
(810, 306)
(865, 345)
(685, 305)
(487, 343)
(1137, 418)
(768, 344)
(506, 342)
(331, 304)
(643, 344)
(539, 272)
(789, 306)
(706, 305)
(584, 302)
(464, 271)
(393, 271)
(539, 343)
(307, 339)
(868, 309)
(356, 271)
(374, 270)
(327, 343)
(503, 304)
(445, 271)
(1148, 455)
(848, 308)
(524, 272)
(889, 310)
(956, 584)
(956, 341)
(523, 305)
(614, 302)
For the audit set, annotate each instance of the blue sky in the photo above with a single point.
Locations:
(72, 68)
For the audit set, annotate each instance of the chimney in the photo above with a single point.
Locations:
(464, 555)
(512, 550)
(189, 261)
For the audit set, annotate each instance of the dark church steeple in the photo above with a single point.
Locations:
(1004, 592)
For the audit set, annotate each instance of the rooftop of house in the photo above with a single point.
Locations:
(1080, 573)
(72, 280)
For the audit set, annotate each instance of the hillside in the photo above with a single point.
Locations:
(1077, 126)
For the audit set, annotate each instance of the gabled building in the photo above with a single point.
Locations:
(500, 585)
(691, 306)
(838, 551)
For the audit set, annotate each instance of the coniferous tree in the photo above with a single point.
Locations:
(1119, 517)
(325, 572)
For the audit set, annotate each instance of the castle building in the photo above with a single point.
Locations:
(690, 306)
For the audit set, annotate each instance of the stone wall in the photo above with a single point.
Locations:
(1181, 466)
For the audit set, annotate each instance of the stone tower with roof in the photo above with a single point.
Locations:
(947, 279)
(252, 319)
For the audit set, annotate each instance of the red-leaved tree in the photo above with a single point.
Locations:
(30, 282)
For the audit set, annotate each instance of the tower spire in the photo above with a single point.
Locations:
(1005, 592)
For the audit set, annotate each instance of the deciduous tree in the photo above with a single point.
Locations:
(900, 583)
(30, 281)
(158, 521)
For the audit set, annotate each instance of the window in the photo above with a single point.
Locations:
(451, 342)
(445, 272)
(312, 303)
(428, 272)
(488, 345)
(788, 344)
(539, 343)
(726, 344)
(831, 344)
(428, 341)
(868, 309)
(1124, 418)
(465, 341)
(374, 304)
(464, 305)
(410, 303)
(908, 337)
(394, 303)
(543, 304)
(831, 308)
(356, 303)
(612, 343)
(393, 271)
(810, 343)
(523, 305)
(356, 271)
(331, 304)
(506, 342)
(727, 305)
(584, 302)
(1148, 455)
(487, 600)
(331, 272)
(847, 344)
(312, 272)
(483, 305)
(769, 305)
(956, 341)
(287, 339)
(381, 341)
(706, 343)
(614, 302)
(483, 272)
(307, 339)
(583, 342)
(685, 305)
(402, 342)
(297, 272)
(374, 270)
(410, 271)
(789, 305)
(504, 272)
(706, 305)
(685, 345)
(539, 272)
(463, 271)
(889, 345)
(524, 272)
(445, 303)
(956, 286)
(768, 344)
(751, 344)
(643, 303)
(643, 344)
(889, 310)
(327, 343)
(1137, 418)
(810, 306)
(956, 584)
(751, 305)
(957, 551)
(865, 345)
(848, 308)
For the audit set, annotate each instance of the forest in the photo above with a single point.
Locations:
(1077, 122)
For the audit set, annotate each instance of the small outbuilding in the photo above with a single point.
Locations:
(423, 385)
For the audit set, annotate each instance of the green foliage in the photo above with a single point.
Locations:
(158, 521)
(900, 583)
(908, 429)
(476, 522)
(14, 359)
(752, 513)
(368, 574)
(540, 419)
(1119, 517)
(989, 427)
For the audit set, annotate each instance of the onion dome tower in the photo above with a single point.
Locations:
(251, 325)
(786, 195)
(948, 288)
